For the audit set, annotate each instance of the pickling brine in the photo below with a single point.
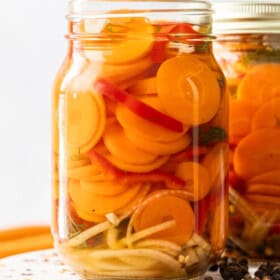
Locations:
(140, 144)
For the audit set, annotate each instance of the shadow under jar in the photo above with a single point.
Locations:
(248, 50)
(140, 142)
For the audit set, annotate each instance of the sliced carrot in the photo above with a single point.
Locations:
(84, 172)
(196, 177)
(159, 147)
(85, 120)
(258, 153)
(217, 164)
(123, 212)
(143, 87)
(113, 173)
(268, 115)
(148, 130)
(133, 204)
(194, 95)
(89, 216)
(272, 178)
(192, 153)
(263, 199)
(138, 168)
(88, 202)
(261, 83)
(240, 120)
(263, 189)
(77, 162)
(123, 149)
(164, 209)
(127, 48)
(105, 188)
(153, 196)
(121, 73)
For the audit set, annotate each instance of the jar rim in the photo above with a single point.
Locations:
(246, 16)
(101, 8)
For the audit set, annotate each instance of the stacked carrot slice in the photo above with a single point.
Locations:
(131, 170)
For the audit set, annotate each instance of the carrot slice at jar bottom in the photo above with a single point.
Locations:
(258, 153)
(125, 211)
(137, 168)
(164, 209)
(196, 177)
(193, 97)
(120, 146)
(263, 189)
(86, 201)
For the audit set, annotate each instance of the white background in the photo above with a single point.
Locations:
(32, 47)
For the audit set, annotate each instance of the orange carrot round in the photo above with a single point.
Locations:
(88, 202)
(258, 153)
(164, 209)
(263, 189)
(148, 130)
(143, 87)
(240, 118)
(268, 115)
(193, 97)
(120, 147)
(105, 188)
(85, 119)
(128, 48)
(261, 83)
(137, 168)
(271, 177)
(196, 177)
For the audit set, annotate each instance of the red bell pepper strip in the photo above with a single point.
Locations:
(143, 110)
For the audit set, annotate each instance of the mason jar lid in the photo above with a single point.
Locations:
(176, 9)
(246, 16)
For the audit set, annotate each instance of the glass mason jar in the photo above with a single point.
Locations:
(140, 141)
(248, 50)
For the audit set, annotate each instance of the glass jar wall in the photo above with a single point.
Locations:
(248, 50)
(140, 142)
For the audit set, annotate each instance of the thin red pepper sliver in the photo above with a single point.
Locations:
(143, 110)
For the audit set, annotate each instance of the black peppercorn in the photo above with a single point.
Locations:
(214, 267)
(275, 276)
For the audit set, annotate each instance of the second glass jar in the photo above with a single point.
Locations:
(140, 142)
(248, 49)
